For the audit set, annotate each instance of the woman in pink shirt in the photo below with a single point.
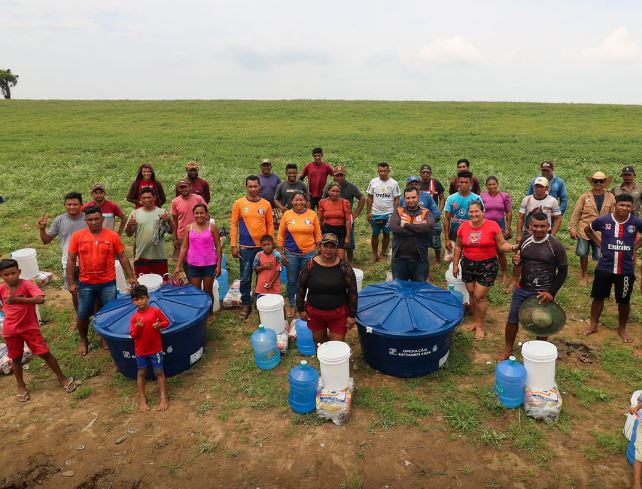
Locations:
(202, 247)
(498, 207)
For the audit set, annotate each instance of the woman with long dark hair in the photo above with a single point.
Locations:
(146, 178)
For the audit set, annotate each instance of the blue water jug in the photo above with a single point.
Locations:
(284, 275)
(223, 262)
(510, 379)
(223, 284)
(303, 388)
(266, 352)
(304, 341)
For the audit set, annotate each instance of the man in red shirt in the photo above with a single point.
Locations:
(317, 173)
(95, 247)
(199, 186)
(110, 209)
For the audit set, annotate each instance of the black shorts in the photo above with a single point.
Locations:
(338, 231)
(604, 280)
(484, 272)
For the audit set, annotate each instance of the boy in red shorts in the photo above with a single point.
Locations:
(144, 327)
(19, 298)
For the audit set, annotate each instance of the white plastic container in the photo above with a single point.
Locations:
(152, 281)
(539, 361)
(334, 360)
(27, 259)
(121, 282)
(455, 283)
(359, 275)
(271, 312)
(217, 302)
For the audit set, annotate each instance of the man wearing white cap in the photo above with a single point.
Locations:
(540, 201)
(590, 205)
(556, 186)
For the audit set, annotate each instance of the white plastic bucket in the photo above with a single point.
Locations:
(217, 302)
(271, 312)
(27, 262)
(539, 361)
(334, 360)
(455, 283)
(359, 274)
(121, 282)
(152, 281)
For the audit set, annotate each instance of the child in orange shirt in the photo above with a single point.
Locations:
(19, 298)
(144, 327)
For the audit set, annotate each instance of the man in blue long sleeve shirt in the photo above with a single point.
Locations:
(556, 186)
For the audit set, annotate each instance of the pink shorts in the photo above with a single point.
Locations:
(332, 319)
(32, 337)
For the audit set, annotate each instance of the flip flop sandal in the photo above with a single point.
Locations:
(71, 386)
(23, 397)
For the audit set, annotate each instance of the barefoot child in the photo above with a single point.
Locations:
(19, 298)
(144, 327)
(267, 265)
(637, 466)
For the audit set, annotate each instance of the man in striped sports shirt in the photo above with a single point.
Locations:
(618, 240)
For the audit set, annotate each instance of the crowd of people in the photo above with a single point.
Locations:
(309, 228)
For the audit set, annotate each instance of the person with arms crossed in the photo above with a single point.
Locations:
(95, 247)
(251, 220)
(383, 198)
(317, 172)
(618, 241)
(540, 269)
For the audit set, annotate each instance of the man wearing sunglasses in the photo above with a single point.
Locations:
(590, 205)
(629, 186)
(556, 186)
(429, 184)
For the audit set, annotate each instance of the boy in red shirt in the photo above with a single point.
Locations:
(267, 265)
(19, 298)
(144, 328)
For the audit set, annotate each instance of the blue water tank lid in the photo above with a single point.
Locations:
(405, 308)
(183, 306)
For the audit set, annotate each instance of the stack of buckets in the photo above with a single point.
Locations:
(538, 373)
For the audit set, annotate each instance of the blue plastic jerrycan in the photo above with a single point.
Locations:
(223, 284)
(266, 351)
(284, 275)
(303, 388)
(304, 340)
(510, 380)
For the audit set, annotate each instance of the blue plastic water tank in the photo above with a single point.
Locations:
(266, 351)
(405, 327)
(223, 283)
(510, 379)
(186, 307)
(304, 340)
(303, 388)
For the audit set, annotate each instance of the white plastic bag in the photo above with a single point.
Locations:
(630, 418)
(544, 405)
(334, 406)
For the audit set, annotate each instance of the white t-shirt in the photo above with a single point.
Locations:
(530, 206)
(383, 195)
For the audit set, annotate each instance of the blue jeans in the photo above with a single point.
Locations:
(295, 263)
(89, 293)
(246, 271)
(410, 269)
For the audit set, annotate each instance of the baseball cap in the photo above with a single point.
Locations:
(425, 167)
(330, 238)
(266, 162)
(97, 186)
(191, 165)
(183, 182)
(339, 169)
(547, 164)
(627, 169)
(543, 181)
(412, 178)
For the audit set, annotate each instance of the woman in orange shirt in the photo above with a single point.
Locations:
(335, 217)
(298, 239)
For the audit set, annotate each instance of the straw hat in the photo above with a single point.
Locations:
(598, 175)
(541, 319)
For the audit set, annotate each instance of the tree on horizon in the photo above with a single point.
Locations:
(7, 80)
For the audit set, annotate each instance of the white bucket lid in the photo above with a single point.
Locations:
(358, 273)
(539, 351)
(270, 302)
(333, 352)
(23, 253)
(150, 280)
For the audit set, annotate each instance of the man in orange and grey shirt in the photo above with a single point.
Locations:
(251, 219)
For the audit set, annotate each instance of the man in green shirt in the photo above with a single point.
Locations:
(629, 186)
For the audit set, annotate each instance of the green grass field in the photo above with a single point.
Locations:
(48, 148)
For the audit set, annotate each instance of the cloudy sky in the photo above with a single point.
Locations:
(554, 51)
